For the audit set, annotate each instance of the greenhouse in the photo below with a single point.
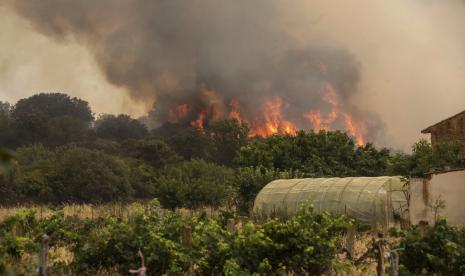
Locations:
(370, 200)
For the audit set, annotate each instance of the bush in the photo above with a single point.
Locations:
(193, 184)
(249, 181)
(320, 154)
(303, 245)
(70, 174)
(119, 128)
(441, 251)
(84, 175)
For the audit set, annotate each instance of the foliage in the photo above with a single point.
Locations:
(441, 251)
(84, 175)
(51, 119)
(191, 143)
(228, 137)
(315, 154)
(218, 142)
(154, 152)
(249, 181)
(305, 244)
(119, 128)
(425, 158)
(70, 174)
(6, 128)
(6, 157)
(193, 184)
(142, 178)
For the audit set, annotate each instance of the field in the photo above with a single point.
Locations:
(105, 239)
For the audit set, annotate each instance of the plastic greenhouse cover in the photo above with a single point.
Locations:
(370, 200)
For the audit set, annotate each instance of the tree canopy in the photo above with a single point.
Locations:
(121, 127)
(64, 155)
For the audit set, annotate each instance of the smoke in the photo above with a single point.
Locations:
(211, 53)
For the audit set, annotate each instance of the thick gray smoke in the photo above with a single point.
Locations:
(207, 54)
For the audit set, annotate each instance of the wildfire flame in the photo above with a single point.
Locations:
(319, 122)
(180, 112)
(234, 113)
(273, 121)
(199, 121)
(271, 118)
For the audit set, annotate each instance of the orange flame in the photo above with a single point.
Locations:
(178, 112)
(273, 121)
(234, 113)
(354, 129)
(271, 118)
(199, 122)
(357, 130)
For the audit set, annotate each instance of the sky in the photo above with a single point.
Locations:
(411, 54)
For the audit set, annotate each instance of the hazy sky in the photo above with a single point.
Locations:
(31, 63)
(412, 55)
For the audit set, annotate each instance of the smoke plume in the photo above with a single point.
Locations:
(275, 64)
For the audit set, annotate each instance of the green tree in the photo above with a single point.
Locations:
(51, 119)
(371, 162)
(249, 181)
(143, 178)
(191, 143)
(440, 251)
(399, 163)
(84, 175)
(193, 184)
(36, 166)
(154, 152)
(426, 158)
(120, 128)
(7, 189)
(6, 128)
(315, 154)
(228, 138)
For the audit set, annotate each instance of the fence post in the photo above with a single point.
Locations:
(394, 263)
(186, 235)
(350, 241)
(43, 255)
(381, 268)
(231, 226)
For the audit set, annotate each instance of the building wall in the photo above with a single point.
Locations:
(448, 187)
(450, 130)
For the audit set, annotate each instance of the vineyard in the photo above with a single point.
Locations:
(172, 243)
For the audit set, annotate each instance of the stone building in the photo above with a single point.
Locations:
(448, 130)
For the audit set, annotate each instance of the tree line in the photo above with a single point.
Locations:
(64, 153)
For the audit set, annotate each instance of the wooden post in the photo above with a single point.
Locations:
(350, 241)
(394, 263)
(381, 268)
(422, 225)
(43, 255)
(186, 235)
(231, 226)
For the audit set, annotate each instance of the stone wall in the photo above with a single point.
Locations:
(450, 130)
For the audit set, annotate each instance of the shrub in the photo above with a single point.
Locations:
(249, 181)
(440, 251)
(193, 184)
